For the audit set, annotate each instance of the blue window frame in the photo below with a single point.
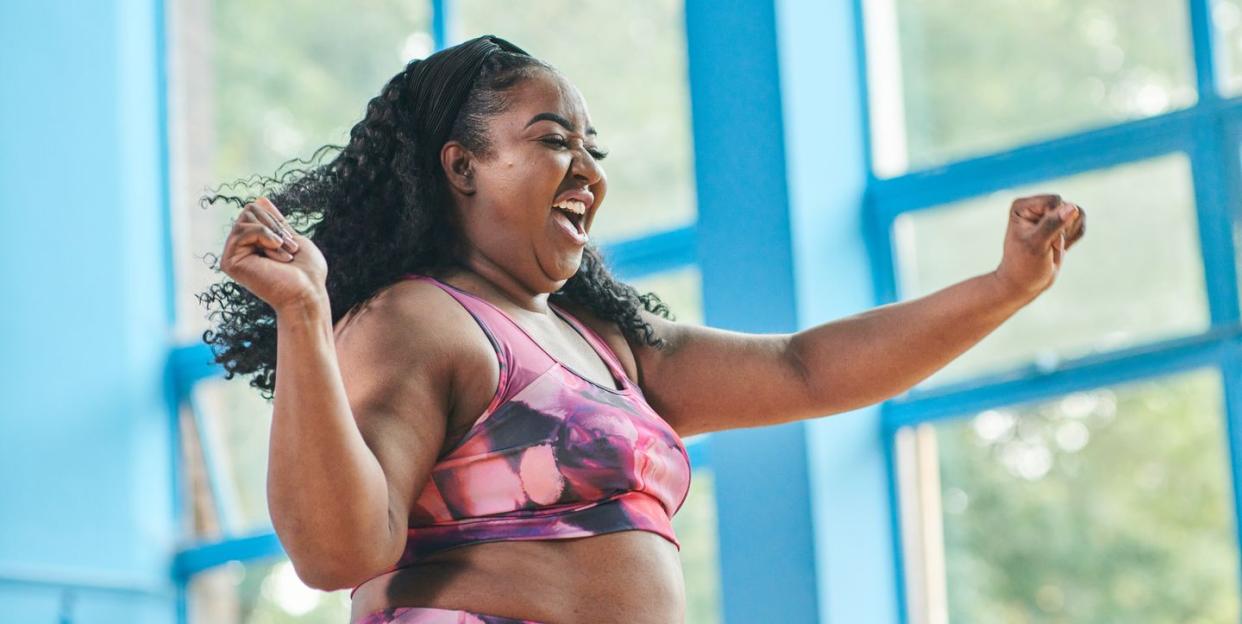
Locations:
(1207, 133)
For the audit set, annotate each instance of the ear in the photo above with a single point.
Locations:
(458, 165)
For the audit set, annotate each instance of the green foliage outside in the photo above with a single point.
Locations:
(1106, 506)
(1111, 505)
(984, 76)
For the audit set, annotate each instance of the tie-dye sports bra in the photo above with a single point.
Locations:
(554, 455)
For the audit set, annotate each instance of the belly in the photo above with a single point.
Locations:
(628, 576)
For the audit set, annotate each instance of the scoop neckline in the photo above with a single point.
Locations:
(565, 316)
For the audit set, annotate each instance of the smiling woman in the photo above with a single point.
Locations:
(476, 171)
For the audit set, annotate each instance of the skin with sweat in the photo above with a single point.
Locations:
(363, 407)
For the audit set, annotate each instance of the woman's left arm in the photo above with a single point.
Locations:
(710, 379)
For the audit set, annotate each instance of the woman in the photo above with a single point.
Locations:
(473, 421)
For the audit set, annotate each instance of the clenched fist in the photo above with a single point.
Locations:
(1041, 230)
(267, 257)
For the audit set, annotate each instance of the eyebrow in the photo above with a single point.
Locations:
(560, 120)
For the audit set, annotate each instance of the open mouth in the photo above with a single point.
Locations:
(575, 212)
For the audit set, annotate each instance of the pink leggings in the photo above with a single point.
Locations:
(430, 615)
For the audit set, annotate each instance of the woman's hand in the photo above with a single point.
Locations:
(267, 257)
(1041, 230)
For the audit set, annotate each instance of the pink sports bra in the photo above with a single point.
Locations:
(554, 455)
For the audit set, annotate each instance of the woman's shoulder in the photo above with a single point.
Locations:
(413, 312)
(611, 333)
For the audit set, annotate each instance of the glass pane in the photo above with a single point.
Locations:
(681, 290)
(1227, 18)
(262, 592)
(1136, 277)
(235, 430)
(949, 79)
(253, 86)
(695, 526)
(1111, 505)
(630, 65)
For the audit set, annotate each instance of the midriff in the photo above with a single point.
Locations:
(630, 577)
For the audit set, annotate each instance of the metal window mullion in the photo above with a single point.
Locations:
(207, 555)
(1215, 199)
(444, 23)
(1059, 157)
(1203, 43)
(1165, 358)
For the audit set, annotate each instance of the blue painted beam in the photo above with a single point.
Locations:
(746, 259)
(204, 556)
(189, 364)
(443, 23)
(653, 253)
(700, 450)
(1103, 147)
(1203, 40)
(823, 102)
(1032, 383)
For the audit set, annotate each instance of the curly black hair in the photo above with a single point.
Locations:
(380, 208)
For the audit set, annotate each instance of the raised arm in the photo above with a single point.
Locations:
(360, 410)
(352, 443)
(710, 379)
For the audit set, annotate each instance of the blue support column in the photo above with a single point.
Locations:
(85, 442)
(823, 96)
(805, 522)
(767, 559)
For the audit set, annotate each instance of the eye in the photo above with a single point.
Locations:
(555, 140)
(595, 153)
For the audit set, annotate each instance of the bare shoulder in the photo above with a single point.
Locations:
(401, 357)
(408, 323)
(635, 356)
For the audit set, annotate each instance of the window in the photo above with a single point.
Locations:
(1138, 278)
(1075, 465)
(951, 79)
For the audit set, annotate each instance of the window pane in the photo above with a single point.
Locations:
(681, 290)
(949, 79)
(1227, 18)
(1111, 505)
(236, 428)
(629, 61)
(266, 591)
(254, 85)
(695, 526)
(1136, 277)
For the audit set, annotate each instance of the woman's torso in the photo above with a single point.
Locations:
(631, 576)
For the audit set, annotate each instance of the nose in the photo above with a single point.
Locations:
(586, 168)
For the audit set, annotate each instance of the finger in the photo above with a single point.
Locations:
(279, 216)
(1053, 223)
(266, 216)
(1033, 208)
(1078, 228)
(256, 235)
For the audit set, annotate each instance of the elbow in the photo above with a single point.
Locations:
(330, 578)
(333, 571)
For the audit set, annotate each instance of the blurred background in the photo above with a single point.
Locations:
(775, 165)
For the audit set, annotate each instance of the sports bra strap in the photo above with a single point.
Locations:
(596, 341)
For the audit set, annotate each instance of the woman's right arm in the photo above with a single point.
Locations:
(330, 500)
(359, 412)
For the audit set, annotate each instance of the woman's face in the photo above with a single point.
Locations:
(541, 152)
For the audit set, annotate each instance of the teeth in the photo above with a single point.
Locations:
(571, 205)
